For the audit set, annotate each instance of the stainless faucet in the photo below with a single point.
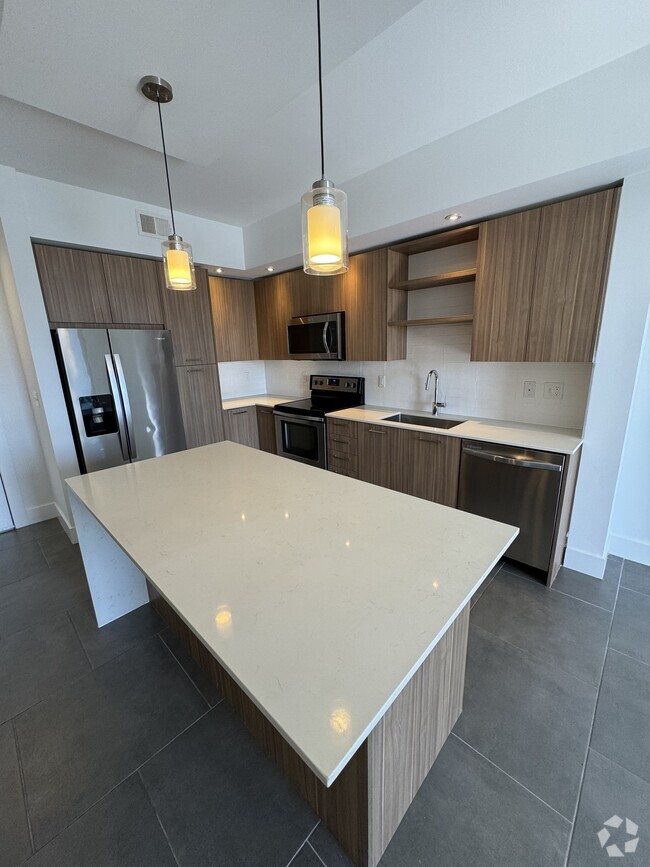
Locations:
(427, 385)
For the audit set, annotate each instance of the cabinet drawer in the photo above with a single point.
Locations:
(342, 443)
(344, 471)
(345, 461)
(338, 426)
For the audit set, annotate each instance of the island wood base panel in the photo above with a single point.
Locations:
(368, 800)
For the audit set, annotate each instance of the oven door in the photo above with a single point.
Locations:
(317, 337)
(301, 438)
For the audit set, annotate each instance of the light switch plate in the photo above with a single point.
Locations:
(554, 390)
(381, 381)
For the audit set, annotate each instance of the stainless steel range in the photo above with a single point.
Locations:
(300, 424)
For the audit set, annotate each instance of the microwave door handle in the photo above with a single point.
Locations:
(119, 408)
(326, 342)
(127, 406)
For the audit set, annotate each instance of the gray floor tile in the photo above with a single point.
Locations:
(59, 549)
(622, 725)
(202, 682)
(328, 848)
(306, 857)
(608, 791)
(14, 833)
(636, 576)
(116, 637)
(20, 561)
(222, 801)
(631, 626)
(30, 533)
(120, 830)
(531, 719)
(35, 599)
(36, 662)
(468, 812)
(88, 737)
(601, 593)
(563, 631)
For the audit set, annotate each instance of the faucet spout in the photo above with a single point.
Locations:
(427, 385)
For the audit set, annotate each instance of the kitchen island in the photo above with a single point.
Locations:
(332, 614)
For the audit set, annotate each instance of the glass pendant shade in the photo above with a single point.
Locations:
(179, 264)
(325, 230)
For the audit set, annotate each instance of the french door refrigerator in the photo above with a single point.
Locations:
(122, 394)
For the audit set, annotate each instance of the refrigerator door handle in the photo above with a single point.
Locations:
(112, 382)
(126, 404)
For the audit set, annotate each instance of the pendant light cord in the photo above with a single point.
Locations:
(169, 189)
(320, 91)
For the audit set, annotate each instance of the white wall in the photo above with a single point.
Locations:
(617, 360)
(630, 523)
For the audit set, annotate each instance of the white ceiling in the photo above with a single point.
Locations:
(243, 125)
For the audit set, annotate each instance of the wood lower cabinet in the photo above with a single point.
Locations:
(378, 460)
(200, 396)
(233, 319)
(73, 285)
(429, 466)
(343, 447)
(241, 426)
(134, 289)
(188, 316)
(266, 429)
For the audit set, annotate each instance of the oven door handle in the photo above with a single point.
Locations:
(295, 417)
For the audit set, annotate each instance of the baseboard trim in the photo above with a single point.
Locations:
(630, 549)
(35, 514)
(582, 561)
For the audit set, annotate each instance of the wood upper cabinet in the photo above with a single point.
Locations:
(241, 426)
(507, 250)
(233, 319)
(273, 298)
(429, 465)
(200, 395)
(378, 455)
(134, 289)
(73, 284)
(540, 281)
(266, 429)
(187, 314)
(575, 239)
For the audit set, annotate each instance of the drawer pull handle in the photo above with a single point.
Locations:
(193, 360)
(334, 440)
(340, 423)
(339, 457)
(427, 440)
(195, 370)
(266, 411)
(239, 411)
(373, 430)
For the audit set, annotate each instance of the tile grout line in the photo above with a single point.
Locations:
(23, 786)
(514, 779)
(632, 590)
(304, 843)
(627, 770)
(593, 718)
(160, 822)
(627, 656)
(76, 632)
(308, 843)
(555, 590)
(186, 673)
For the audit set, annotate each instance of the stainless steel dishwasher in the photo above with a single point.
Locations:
(516, 486)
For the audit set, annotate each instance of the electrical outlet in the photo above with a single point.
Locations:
(529, 388)
(554, 390)
(381, 381)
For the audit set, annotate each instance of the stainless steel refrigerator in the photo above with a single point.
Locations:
(122, 394)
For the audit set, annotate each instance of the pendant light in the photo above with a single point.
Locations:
(177, 255)
(324, 210)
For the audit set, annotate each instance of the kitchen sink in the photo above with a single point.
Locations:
(423, 420)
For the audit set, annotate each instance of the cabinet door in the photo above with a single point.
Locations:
(187, 314)
(507, 250)
(200, 395)
(429, 465)
(134, 288)
(73, 284)
(272, 312)
(311, 295)
(241, 426)
(266, 429)
(233, 319)
(575, 239)
(378, 455)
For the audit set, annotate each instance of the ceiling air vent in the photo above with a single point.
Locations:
(152, 226)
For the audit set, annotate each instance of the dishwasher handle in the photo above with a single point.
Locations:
(516, 462)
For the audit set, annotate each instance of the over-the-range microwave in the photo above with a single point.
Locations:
(321, 336)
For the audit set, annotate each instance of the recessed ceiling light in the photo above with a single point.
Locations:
(270, 268)
(219, 270)
(453, 217)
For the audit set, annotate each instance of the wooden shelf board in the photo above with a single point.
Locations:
(467, 275)
(450, 238)
(439, 320)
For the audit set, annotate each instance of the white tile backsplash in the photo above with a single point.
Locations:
(239, 378)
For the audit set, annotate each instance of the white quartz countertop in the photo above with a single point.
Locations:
(256, 400)
(321, 595)
(525, 436)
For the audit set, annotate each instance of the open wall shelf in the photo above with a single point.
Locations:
(438, 320)
(449, 238)
(467, 275)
